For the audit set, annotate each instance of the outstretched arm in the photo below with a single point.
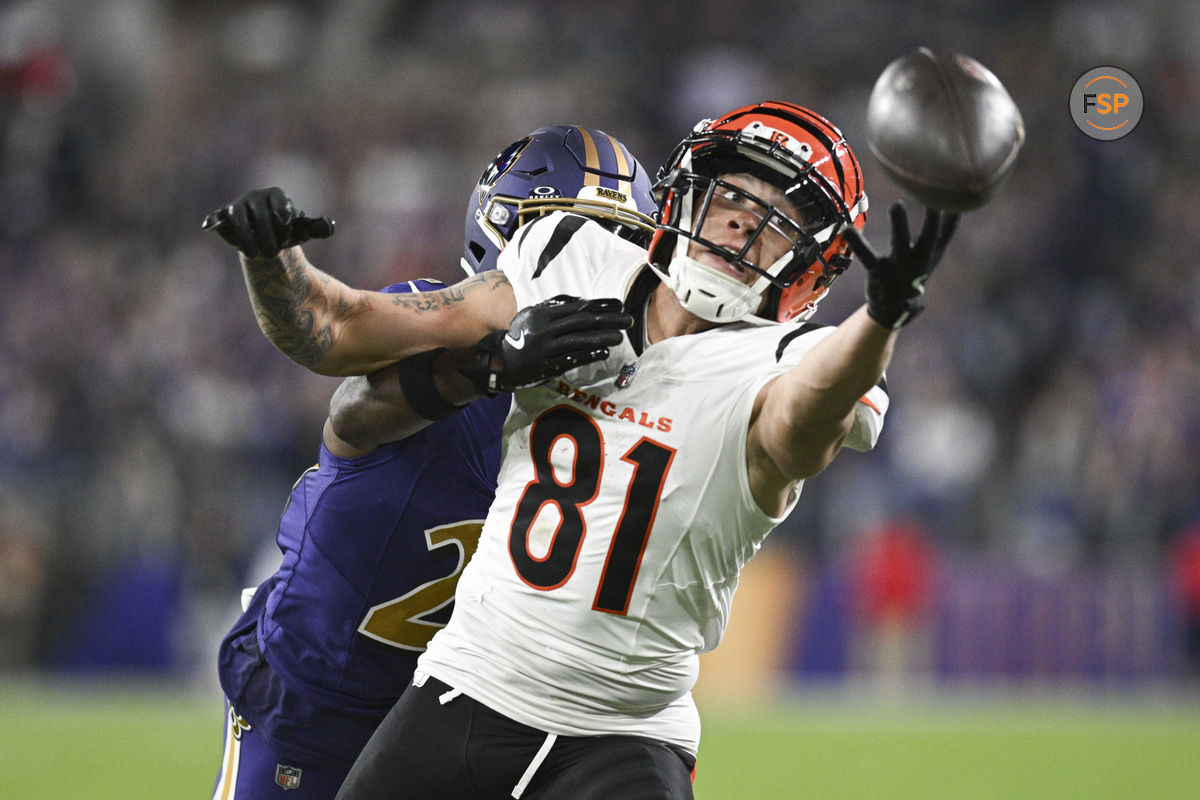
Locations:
(333, 329)
(802, 418)
(329, 327)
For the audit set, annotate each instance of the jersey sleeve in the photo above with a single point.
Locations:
(869, 412)
(871, 408)
(525, 260)
(560, 253)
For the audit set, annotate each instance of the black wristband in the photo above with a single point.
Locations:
(420, 390)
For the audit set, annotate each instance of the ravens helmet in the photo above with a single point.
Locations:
(560, 167)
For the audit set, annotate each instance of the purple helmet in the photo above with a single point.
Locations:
(561, 167)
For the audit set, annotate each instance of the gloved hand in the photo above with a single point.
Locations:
(896, 283)
(262, 222)
(546, 340)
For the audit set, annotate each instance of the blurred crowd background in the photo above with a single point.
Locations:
(1026, 516)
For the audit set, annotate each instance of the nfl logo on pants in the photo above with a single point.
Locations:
(287, 777)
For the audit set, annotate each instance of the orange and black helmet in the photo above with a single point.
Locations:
(795, 150)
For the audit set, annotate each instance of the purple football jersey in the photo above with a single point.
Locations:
(372, 549)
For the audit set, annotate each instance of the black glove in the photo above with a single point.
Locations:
(546, 340)
(262, 222)
(896, 284)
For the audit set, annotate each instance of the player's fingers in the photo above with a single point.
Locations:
(213, 219)
(562, 305)
(590, 356)
(940, 229)
(586, 340)
(604, 304)
(238, 230)
(559, 364)
(860, 246)
(949, 225)
(305, 228)
(279, 206)
(901, 236)
(262, 227)
(282, 215)
(584, 322)
(617, 320)
(930, 233)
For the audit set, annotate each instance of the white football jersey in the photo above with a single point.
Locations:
(623, 514)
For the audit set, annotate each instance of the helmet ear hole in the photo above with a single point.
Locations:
(477, 250)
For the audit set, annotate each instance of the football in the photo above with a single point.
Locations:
(944, 128)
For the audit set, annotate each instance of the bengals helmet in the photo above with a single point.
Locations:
(561, 167)
(794, 149)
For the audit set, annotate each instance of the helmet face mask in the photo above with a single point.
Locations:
(777, 228)
(557, 168)
(808, 161)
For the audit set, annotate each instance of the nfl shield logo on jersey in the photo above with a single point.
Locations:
(625, 375)
(287, 777)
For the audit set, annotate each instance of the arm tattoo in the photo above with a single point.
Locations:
(435, 301)
(302, 322)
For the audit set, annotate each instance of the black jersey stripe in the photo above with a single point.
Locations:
(566, 228)
(519, 237)
(806, 327)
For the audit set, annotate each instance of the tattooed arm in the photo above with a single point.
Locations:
(333, 329)
(324, 324)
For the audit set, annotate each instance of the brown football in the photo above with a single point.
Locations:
(944, 128)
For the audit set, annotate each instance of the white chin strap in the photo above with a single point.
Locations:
(710, 294)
